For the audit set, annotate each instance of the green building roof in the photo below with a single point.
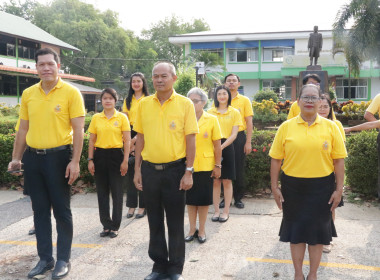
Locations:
(15, 26)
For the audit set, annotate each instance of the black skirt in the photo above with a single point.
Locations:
(201, 192)
(307, 217)
(228, 162)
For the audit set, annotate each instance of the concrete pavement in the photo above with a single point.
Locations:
(245, 247)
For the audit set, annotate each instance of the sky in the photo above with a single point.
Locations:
(238, 16)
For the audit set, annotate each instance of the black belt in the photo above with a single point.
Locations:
(163, 166)
(48, 151)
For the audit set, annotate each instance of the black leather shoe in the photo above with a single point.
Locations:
(113, 234)
(41, 267)
(61, 270)
(221, 204)
(215, 218)
(239, 204)
(32, 232)
(201, 239)
(130, 215)
(190, 238)
(223, 220)
(156, 276)
(104, 233)
(139, 216)
(176, 277)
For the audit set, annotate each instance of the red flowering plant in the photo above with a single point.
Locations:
(258, 162)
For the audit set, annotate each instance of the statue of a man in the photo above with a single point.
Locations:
(315, 45)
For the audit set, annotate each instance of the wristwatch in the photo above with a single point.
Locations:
(90, 159)
(191, 169)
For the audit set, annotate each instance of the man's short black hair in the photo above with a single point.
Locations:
(45, 51)
(232, 74)
(310, 76)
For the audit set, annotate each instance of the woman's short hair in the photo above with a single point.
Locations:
(309, 86)
(110, 91)
(216, 102)
(199, 92)
(327, 97)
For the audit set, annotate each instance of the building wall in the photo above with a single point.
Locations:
(375, 87)
(250, 87)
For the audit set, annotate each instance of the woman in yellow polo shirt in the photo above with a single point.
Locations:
(138, 89)
(310, 151)
(325, 110)
(229, 120)
(108, 151)
(207, 165)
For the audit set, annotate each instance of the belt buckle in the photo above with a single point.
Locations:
(159, 167)
(41, 151)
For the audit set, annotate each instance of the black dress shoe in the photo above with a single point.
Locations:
(32, 232)
(176, 277)
(221, 204)
(139, 216)
(61, 270)
(156, 276)
(130, 215)
(104, 233)
(223, 220)
(41, 267)
(239, 204)
(201, 239)
(113, 234)
(215, 218)
(190, 238)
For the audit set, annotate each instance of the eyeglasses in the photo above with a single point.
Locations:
(309, 98)
(196, 101)
(324, 107)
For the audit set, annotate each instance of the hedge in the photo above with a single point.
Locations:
(361, 164)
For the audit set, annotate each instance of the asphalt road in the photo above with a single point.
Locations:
(245, 247)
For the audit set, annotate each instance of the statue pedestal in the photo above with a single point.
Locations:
(314, 68)
(323, 75)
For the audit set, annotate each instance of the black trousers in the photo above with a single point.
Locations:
(163, 197)
(378, 176)
(109, 180)
(239, 184)
(48, 188)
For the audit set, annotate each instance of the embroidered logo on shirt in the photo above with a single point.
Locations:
(325, 146)
(57, 108)
(115, 123)
(172, 125)
(205, 135)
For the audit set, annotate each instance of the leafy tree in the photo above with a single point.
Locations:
(160, 32)
(186, 79)
(22, 9)
(362, 41)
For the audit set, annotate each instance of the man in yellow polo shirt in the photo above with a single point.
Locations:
(52, 119)
(369, 115)
(242, 143)
(166, 126)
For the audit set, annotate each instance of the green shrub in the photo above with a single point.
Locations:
(258, 162)
(266, 94)
(7, 125)
(85, 175)
(361, 163)
(6, 147)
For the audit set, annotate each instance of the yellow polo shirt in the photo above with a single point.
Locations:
(244, 106)
(109, 132)
(227, 120)
(17, 124)
(341, 129)
(131, 113)
(165, 127)
(295, 111)
(374, 107)
(308, 151)
(50, 115)
(209, 131)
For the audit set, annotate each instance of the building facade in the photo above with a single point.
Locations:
(19, 41)
(274, 60)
